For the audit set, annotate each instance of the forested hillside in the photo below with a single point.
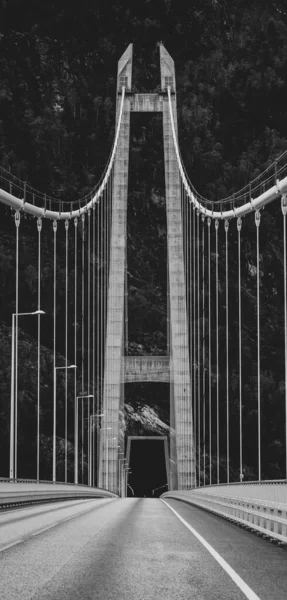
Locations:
(58, 65)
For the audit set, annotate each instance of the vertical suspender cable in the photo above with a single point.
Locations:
(226, 227)
(194, 350)
(89, 344)
(193, 448)
(94, 420)
(284, 211)
(181, 403)
(239, 225)
(187, 375)
(39, 228)
(83, 339)
(66, 353)
(105, 295)
(182, 412)
(54, 354)
(257, 223)
(98, 343)
(17, 223)
(198, 353)
(217, 349)
(102, 337)
(209, 352)
(187, 283)
(190, 419)
(103, 317)
(185, 399)
(203, 348)
(76, 420)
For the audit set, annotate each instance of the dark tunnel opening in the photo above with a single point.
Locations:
(148, 476)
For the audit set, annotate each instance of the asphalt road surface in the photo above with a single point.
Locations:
(134, 549)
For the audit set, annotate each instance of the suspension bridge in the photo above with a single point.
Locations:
(203, 238)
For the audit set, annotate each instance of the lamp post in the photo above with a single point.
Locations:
(54, 426)
(126, 470)
(13, 400)
(107, 452)
(121, 474)
(107, 466)
(92, 417)
(76, 434)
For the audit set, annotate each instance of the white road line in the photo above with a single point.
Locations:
(247, 591)
(10, 545)
(26, 539)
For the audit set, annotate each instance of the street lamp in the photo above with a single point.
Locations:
(126, 470)
(54, 426)
(91, 429)
(107, 451)
(121, 491)
(83, 396)
(14, 394)
(107, 469)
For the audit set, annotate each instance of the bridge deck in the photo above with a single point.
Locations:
(132, 549)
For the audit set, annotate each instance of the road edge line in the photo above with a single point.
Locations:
(245, 589)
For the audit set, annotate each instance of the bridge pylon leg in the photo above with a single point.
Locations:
(182, 462)
(113, 402)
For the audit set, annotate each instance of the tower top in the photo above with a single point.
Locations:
(167, 70)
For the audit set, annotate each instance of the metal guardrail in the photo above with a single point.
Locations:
(28, 491)
(239, 503)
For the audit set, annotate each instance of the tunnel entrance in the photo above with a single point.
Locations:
(147, 458)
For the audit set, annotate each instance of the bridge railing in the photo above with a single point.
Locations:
(27, 491)
(259, 506)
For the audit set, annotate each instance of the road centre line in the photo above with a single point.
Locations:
(246, 590)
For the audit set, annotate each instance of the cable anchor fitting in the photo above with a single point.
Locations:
(226, 225)
(216, 224)
(55, 225)
(66, 224)
(17, 218)
(284, 204)
(257, 218)
(39, 224)
(239, 224)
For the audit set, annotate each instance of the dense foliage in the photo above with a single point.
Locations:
(57, 110)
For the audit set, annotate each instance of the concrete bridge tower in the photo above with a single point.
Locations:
(175, 368)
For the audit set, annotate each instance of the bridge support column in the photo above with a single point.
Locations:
(112, 424)
(181, 443)
(182, 464)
